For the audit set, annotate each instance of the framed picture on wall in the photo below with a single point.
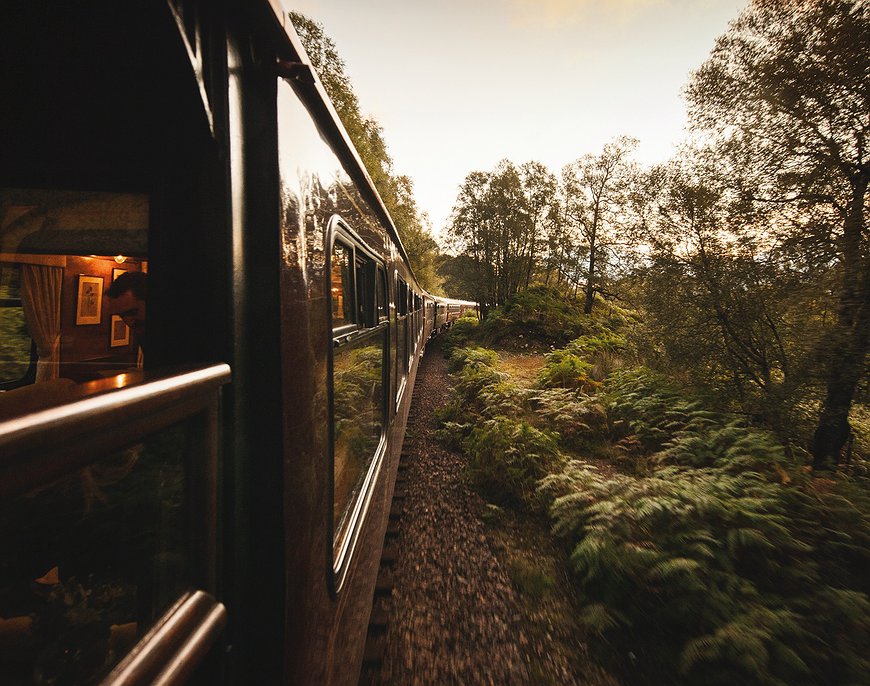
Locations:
(120, 333)
(89, 303)
(117, 272)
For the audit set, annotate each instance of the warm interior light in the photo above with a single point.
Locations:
(120, 259)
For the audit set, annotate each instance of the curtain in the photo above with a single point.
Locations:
(40, 298)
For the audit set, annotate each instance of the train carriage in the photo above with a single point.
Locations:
(201, 495)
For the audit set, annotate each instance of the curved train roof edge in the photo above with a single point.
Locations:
(299, 57)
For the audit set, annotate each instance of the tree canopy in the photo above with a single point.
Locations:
(785, 97)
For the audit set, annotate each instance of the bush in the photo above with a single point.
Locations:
(479, 391)
(507, 457)
(574, 416)
(540, 313)
(584, 362)
(647, 406)
(461, 334)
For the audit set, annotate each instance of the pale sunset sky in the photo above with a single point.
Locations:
(458, 85)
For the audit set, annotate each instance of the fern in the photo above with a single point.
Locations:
(718, 561)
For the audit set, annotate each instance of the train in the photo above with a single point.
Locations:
(209, 336)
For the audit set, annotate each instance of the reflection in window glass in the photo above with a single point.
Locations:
(90, 561)
(341, 286)
(15, 341)
(358, 421)
(402, 299)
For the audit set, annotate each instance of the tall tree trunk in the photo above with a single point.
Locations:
(849, 342)
(590, 280)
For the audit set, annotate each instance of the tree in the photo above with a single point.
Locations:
(726, 304)
(498, 223)
(397, 191)
(539, 188)
(596, 190)
(786, 96)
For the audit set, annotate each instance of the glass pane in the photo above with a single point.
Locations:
(381, 296)
(363, 296)
(87, 563)
(15, 342)
(62, 250)
(358, 421)
(342, 286)
(401, 345)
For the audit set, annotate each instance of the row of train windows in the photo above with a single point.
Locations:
(358, 289)
(360, 378)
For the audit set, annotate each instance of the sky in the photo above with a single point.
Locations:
(458, 85)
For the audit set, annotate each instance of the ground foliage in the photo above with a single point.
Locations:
(507, 455)
(704, 550)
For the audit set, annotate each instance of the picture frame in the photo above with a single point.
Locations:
(89, 301)
(116, 272)
(119, 332)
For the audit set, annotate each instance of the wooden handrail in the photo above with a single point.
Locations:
(41, 446)
(177, 643)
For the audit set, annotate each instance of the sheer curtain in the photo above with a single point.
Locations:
(40, 298)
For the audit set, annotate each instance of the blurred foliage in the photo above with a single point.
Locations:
(723, 563)
(577, 418)
(507, 457)
(720, 577)
(699, 543)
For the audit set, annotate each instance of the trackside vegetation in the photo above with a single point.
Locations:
(700, 547)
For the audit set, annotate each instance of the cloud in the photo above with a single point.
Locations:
(555, 12)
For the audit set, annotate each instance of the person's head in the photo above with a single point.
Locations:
(127, 296)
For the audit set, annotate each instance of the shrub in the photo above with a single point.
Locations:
(475, 357)
(566, 370)
(507, 457)
(574, 416)
(539, 313)
(461, 333)
(584, 362)
(644, 404)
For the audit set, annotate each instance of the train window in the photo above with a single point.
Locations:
(341, 285)
(61, 320)
(96, 552)
(17, 350)
(402, 298)
(359, 382)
